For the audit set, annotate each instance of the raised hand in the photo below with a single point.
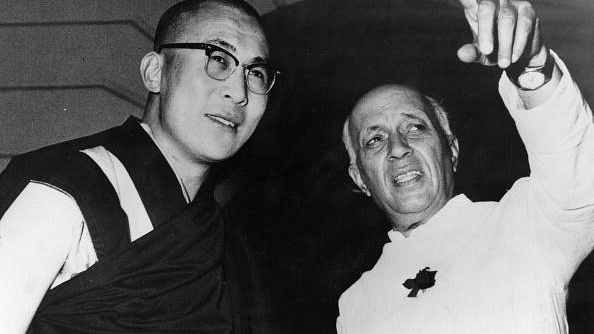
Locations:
(504, 32)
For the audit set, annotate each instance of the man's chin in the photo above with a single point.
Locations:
(414, 203)
(215, 155)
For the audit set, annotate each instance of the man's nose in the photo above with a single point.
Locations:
(235, 87)
(399, 147)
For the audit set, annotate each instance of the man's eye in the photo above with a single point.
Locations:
(259, 75)
(219, 59)
(417, 128)
(374, 140)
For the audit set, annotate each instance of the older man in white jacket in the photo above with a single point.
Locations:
(452, 265)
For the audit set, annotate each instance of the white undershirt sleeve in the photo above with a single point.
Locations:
(35, 239)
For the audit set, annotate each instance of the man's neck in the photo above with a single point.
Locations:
(407, 223)
(190, 174)
(407, 230)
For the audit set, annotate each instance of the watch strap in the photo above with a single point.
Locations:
(516, 70)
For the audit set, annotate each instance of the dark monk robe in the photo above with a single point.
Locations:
(187, 275)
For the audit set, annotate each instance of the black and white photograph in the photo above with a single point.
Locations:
(296, 166)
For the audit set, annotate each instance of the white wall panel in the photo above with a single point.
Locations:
(70, 68)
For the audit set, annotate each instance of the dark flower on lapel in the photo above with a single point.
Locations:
(424, 280)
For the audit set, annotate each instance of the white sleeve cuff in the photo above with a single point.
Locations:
(556, 124)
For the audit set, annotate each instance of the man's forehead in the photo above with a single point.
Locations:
(388, 102)
(227, 27)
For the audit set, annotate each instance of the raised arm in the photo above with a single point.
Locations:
(507, 33)
(553, 119)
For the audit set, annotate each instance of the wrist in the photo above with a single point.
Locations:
(535, 73)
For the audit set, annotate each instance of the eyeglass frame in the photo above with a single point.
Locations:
(210, 48)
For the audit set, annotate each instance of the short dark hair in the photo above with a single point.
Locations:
(171, 20)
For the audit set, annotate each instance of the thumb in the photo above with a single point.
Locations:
(468, 53)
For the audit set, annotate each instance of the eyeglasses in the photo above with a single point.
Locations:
(221, 64)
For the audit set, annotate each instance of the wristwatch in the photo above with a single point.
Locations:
(531, 77)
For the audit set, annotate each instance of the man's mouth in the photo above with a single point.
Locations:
(407, 177)
(223, 121)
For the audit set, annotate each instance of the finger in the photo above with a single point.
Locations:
(506, 23)
(487, 10)
(537, 43)
(525, 30)
(468, 53)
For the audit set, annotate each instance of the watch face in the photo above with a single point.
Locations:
(531, 80)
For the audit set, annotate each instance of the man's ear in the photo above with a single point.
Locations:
(356, 176)
(151, 67)
(455, 151)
